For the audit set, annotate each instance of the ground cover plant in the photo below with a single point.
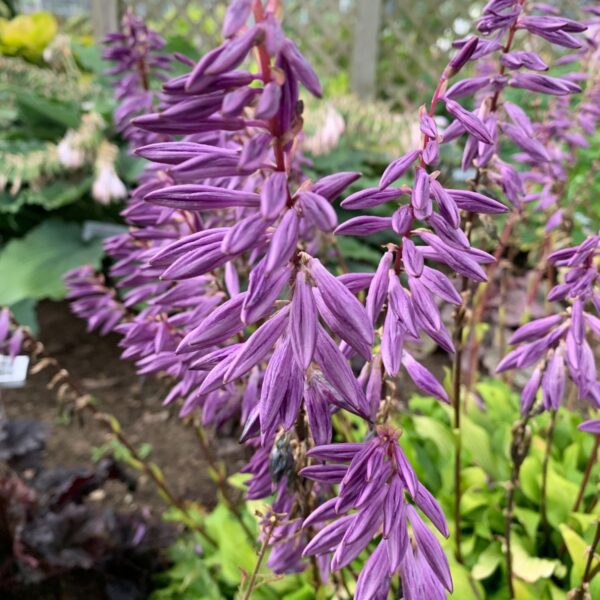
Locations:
(234, 283)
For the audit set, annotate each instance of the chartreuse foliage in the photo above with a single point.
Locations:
(545, 564)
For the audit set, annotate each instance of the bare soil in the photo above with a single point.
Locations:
(94, 361)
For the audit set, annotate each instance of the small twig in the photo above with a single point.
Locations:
(261, 556)
(338, 255)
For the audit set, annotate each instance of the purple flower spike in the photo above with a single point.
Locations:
(431, 549)
(374, 579)
(274, 195)
(421, 199)
(422, 378)
(283, 242)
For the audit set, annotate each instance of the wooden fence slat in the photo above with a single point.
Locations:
(105, 17)
(363, 70)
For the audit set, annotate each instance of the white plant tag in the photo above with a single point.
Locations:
(13, 372)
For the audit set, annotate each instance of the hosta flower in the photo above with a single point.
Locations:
(107, 186)
(378, 492)
(559, 345)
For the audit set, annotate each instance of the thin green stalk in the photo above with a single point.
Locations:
(521, 439)
(587, 574)
(587, 474)
(545, 466)
(261, 555)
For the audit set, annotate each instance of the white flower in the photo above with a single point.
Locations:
(107, 186)
(69, 154)
(327, 137)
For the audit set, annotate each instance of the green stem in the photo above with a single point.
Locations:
(521, 439)
(587, 474)
(587, 574)
(261, 556)
(545, 466)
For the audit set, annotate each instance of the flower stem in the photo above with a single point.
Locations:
(587, 474)
(456, 400)
(588, 574)
(261, 556)
(521, 438)
(545, 466)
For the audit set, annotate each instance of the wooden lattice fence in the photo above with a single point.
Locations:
(392, 49)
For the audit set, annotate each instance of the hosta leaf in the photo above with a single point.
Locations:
(234, 552)
(487, 562)
(530, 520)
(531, 568)
(465, 588)
(578, 551)
(58, 193)
(476, 441)
(357, 251)
(33, 267)
(561, 497)
(433, 430)
(530, 478)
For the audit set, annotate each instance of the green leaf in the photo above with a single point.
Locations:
(488, 562)
(531, 568)
(433, 430)
(304, 593)
(355, 250)
(476, 441)
(465, 588)
(530, 478)
(561, 497)
(24, 313)
(238, 481)
(33, 267)
(58, 193)
(234, 553)
(578, 551)
(61, 112)
(530, 520)
(89, 57)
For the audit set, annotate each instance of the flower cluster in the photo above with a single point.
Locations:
(227, 256)
(371, 497)
(135, 52)
(92, 300)
(558, 344)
